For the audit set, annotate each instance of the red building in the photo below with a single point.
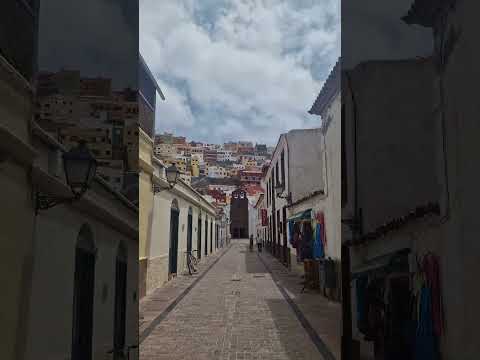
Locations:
(250, 177)
(219, 196)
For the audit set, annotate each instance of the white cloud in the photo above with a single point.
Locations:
(247, 66)
(174, 113)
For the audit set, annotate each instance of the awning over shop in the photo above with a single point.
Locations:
(398, 260)
(305, 215)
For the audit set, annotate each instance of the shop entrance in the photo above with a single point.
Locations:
(83, 295)
(385, 311)
(173, 250)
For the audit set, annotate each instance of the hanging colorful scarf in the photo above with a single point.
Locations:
(426, 343)
(320, 218)
(290, 231)
(417, 286)
(307, 240)
(432, 275)
(318, 251)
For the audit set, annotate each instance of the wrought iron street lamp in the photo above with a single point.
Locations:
(172, 174)
(80, 168)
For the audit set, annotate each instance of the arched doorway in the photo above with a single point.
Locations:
(120, 302)
(83, 295)
(206, 235)
(173, 249)
(189, 230)
(199, 236)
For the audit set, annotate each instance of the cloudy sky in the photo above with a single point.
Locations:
(238, 69)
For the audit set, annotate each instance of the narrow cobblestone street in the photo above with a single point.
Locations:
(235, 311)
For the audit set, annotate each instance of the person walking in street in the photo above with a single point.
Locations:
(259, 244)
(251, 242)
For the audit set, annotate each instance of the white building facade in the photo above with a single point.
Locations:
(225, 155)
(182, 221)
(296, 196)
(217, 172)
(328, 106)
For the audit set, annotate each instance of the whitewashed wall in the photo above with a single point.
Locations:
(333, 180)
(306, 162)
(159, 241)
(51, 300)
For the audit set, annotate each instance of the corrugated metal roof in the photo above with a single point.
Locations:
(328, 92)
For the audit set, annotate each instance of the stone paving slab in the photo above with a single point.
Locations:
(155, 303)
(324, 315)
(235, 312)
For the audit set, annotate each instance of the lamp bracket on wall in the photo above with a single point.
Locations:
(157, 188)
(288, 197)
(80, 169)
(172, 175)
(44, 201)
(279, 191)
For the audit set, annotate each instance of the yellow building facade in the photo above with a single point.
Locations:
(195, 170)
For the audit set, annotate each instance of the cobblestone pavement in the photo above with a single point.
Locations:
(235, 311)
(324, 316)
(161, 299)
